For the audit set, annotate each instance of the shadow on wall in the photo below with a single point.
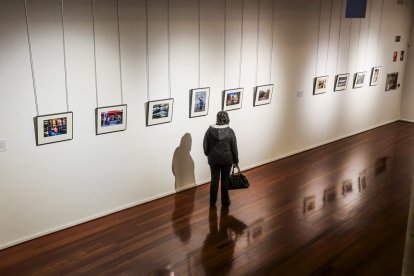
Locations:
(183, 164)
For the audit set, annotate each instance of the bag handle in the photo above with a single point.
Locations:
(238, 170)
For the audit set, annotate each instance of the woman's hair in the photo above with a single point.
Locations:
(222, 118)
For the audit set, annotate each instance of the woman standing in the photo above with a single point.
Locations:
(220, 146)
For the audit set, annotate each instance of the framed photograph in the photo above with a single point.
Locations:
(263, 94)
(232, 99)
(375, 74)
(320, 85)
(394, 56)
(160, 112)
(391, 82)
(199, 102)
(359, 79)
(402, 56)
(54, 128)
(341, 82)
(397, 38)
(111, 119)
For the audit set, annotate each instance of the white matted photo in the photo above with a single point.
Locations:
(199, 103)
(232, 99)
(320, 85)
(111, 119)
(263, 94)
(341, 82)
(54, 128)
(359, 79)
(375, 75)
(160, 112)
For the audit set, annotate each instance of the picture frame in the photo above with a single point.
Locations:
(320, 85)
(110, 119)
(263, 94)
(159, 111)
(232, 99)
(375, 76)
(341, 82)
(402, 56)
(359, 79)
(53, 128)
(391, 82)
(199, 102)
(394, 56)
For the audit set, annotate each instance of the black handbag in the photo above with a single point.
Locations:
(238, 180)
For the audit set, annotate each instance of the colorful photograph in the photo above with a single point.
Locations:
(263, 94)
(394, 57)
(392, 81)
(359, 79)
(375, 74)
(199, 102)
(160, 112)
(53, 128)
(341, 82)
(111, 119)
(232, 99)
(320, 85)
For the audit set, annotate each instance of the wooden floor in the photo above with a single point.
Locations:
(340, 209)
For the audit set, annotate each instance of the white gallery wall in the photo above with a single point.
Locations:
(407, 99)
(88, 60)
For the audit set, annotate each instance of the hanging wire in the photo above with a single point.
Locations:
(319, 35)
(94, 52)
(119, 52)
(225, 25)
(169, 50)
(31, 59)
(329, 39)
(359, 42)
(257, 42)
(380, 31)
(64, 58)
(271, 42)
(241, 42)
(349, 43)
(369, 29)
(147, 50)
(199, 43)
(339, 39)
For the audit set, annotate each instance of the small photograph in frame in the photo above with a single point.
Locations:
(199, 102)
(394, 56)
(160, 111)
(232, 99)
(402, 56)
(359, 79)
(320, 85)
(391, 82)
(375, 75)
(263, 94)
(53, 128)
(397, 38)
(341, 82)
(111, 119)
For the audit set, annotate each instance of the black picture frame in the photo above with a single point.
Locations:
(107, 119)
(160, 111)
(53, 128)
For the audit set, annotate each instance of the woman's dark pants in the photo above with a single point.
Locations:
(216, 171)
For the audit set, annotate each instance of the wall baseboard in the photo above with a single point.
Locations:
(202, 182)
(407, 120)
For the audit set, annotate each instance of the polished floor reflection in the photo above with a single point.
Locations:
(340, 209)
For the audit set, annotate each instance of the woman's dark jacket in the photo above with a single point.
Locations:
(220, 145)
